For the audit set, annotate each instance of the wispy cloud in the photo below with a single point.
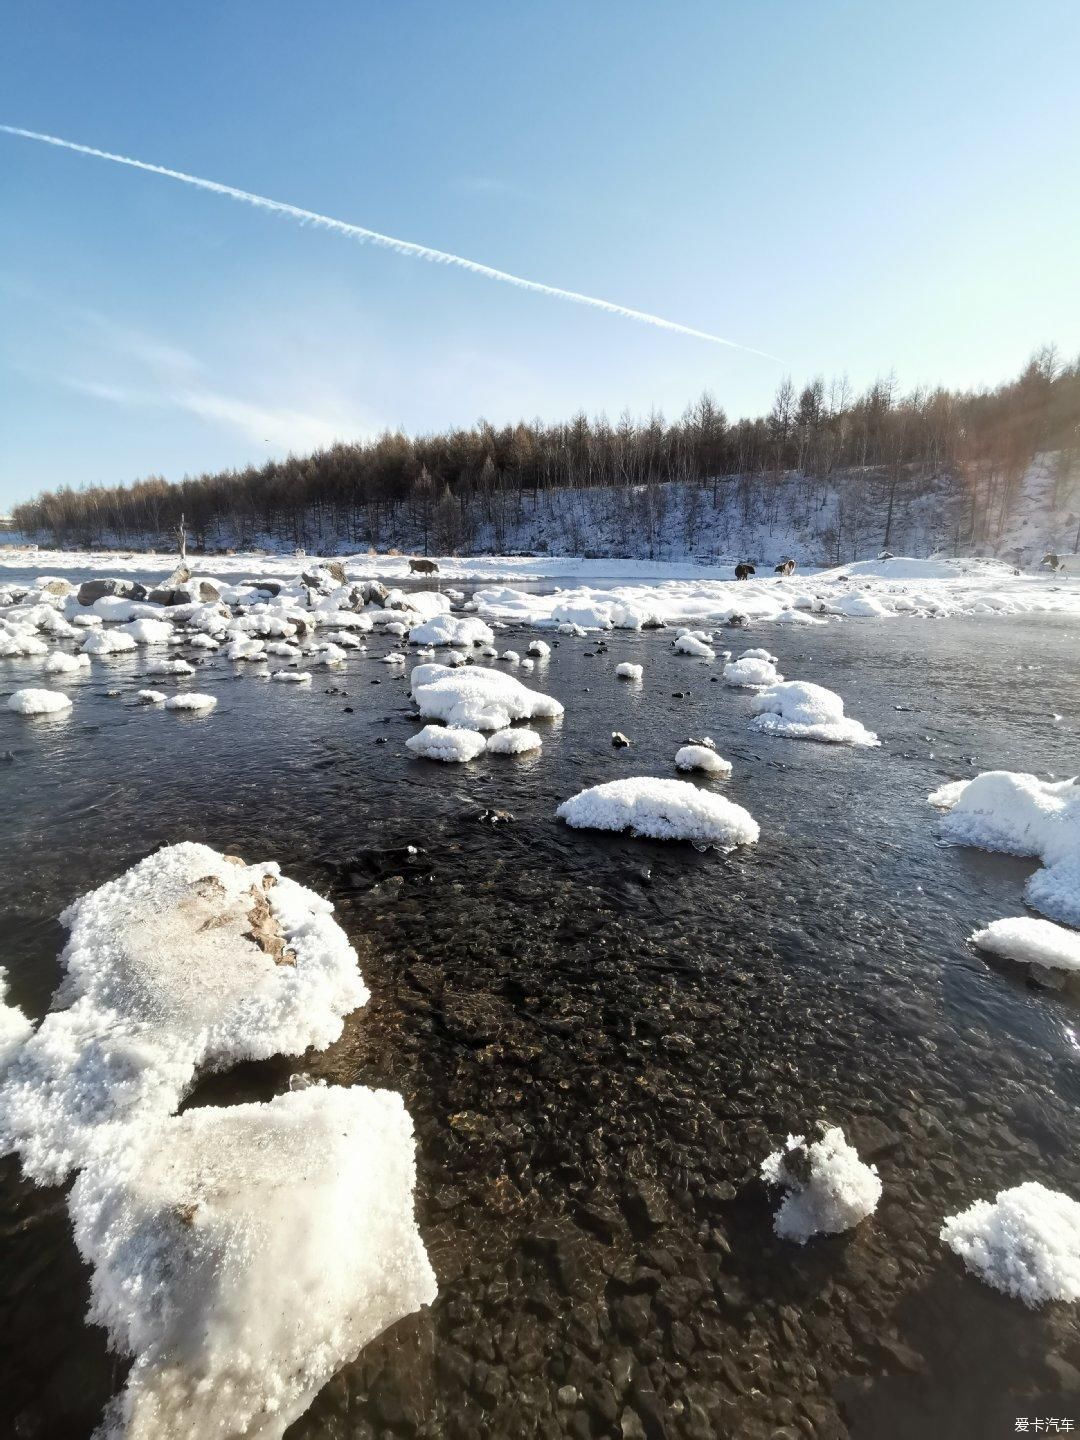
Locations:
(173, 379)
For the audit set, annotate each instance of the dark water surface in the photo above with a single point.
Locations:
(599, 1038)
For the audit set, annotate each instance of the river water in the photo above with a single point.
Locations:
(600, 1038)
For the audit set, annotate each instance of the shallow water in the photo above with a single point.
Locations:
(600, 1038)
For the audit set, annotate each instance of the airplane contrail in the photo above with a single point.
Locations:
(388, 242)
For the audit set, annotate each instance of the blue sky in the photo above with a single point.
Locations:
(853, 187)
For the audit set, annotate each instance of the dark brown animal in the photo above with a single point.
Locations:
(1054, 561)
(743, 572)
(786, 567)
(423, 567)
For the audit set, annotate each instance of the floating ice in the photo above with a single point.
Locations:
(627, 671)
(148, 632)
(16, 642)
(58, 663)
(107, 642)
(829, 1188)
(169, 667)
(446, 629)
(187, 962)
(246, 650)
(661, 810)
(701, 757)
(191, 700)
(801, 711)
(757, 653)
(38, 702)
(201, 642)
(750, 672)
(292, 677)
(439, 742)
(510, 656)
(1031, 942)
(150, 697)
(1019, 814)
(540, 648)
(513, 742)
(477, 698)
(1026, 1243)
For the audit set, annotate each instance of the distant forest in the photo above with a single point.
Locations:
(449, 489)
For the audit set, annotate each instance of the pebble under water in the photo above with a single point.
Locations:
(600, 1038)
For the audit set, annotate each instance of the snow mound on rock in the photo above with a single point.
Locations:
(690, 645)
(169, 667)
(513, 742)
(148, 632)
(1026, 1243)
(439, 742)
(38, 702)
(1031, 942)
(539, 648)
(1019, 814)
(449, 629)
(701, 757)
(244, 1255)
(829, 1189)
(477, 698)
(661, 810)
(627, 671)
(751, 672)
(189, 961)
(801, 711)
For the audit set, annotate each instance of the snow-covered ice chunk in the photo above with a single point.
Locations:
(169, 667)
(107, 642)
(58, 663)
(150, 697)
(628, 671)
(293, 677)
(18, 641)
(801, 711)
(15, 1027)
(1031, 942)
(1026, 1243)
(690, 645)
(477, 698)
(701, 757)
(661, 810)
(439, 742)
(829, 1188)
(447, 629)
(189, 961)
(539, 648)
(1019, 814)
(201, 642)
(148, 632)
(757, 653)
(513, 742)
(38, 702)
(395, 658)
(243, 1255)
(510, 656)
(751, 672)
(244, 649)
(191, 700)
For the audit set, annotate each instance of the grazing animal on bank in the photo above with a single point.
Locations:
(743, 572)
(423, 567)
(1055, 562)
(786, 567)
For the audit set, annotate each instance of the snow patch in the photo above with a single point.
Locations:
(661, 810)
(1026, 1243)
(829, 1189)
(801, 711)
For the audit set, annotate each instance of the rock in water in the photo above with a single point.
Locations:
(91, 590)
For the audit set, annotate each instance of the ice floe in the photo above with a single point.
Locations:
(661, 809)
(477, 697)
(1031, 942)
(447, 629)
(1025, 1243)
(107, 642)
(516, 741)
(191, 700)
(441, 742)
(690, 645)
(38, 702)
(1018, 814)
(189, 961)
(799, 710)
(59, 663)
(629, 671)
(828, 1188)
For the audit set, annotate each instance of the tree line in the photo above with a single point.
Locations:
(453, 486)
